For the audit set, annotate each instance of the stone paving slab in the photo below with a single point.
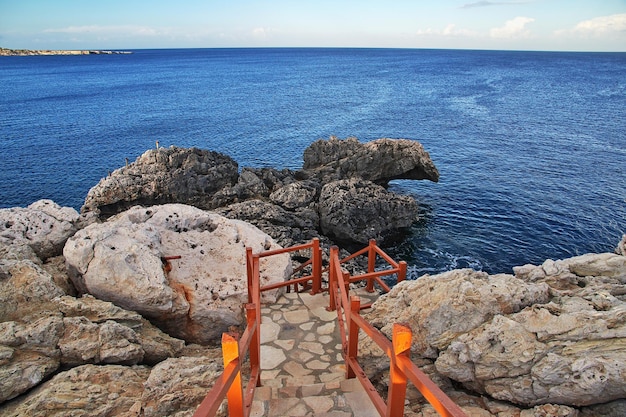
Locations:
(302, 368)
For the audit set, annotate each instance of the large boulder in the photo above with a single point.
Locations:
(177, 386)
(440, 308)
(568, 351)
(197, 297)
(174, 387)
(356, 210)
(164, 175)
(379, 161)
(43, 228)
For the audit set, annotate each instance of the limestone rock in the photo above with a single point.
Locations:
(288, 228)
(442, 307)
(295, 195)
(356, 210)
(196, 297)
(24, 286)
(41, 329)
(30, 354)
(379, 161)
(570, 350)
(591, 275)
(111, 390)
(177, 386)
(164, 175)
(44, 227)
(563, 352)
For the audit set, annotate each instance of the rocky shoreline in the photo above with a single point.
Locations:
(114, 311)
(47, 52)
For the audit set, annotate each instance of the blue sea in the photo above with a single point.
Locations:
(531, 146)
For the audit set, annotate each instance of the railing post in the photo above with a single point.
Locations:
(402, 271)
(255, 342)
(353, 335)
(230, 352)
(401, 346)
(332, 278)
(371, 264)
(249, 261)
(256, 283)
(316, 255)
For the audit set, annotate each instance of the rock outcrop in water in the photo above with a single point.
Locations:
(294, 203)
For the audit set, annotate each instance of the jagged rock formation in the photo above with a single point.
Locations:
(356, 210)
(554, 333)
(164, 175)
(196, 297)
(379, 161)
(294, 209)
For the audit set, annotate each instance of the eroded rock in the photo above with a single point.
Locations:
(164, 175)
(196, 297)
(379, 161)
(442, 307)
(43, 227)
(356, 210)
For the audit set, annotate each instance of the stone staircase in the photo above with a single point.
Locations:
(303, 372)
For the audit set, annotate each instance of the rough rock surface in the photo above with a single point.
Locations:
(553, 334)
(42, 329)
(356, 210)
(174, 387)
(42, 227)
(88, 390)
(379, 161)
(164, 175)
(440, 308)
(288, 228)
(196, 297)
(177, 386)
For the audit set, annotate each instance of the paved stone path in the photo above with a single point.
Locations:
(303, 372)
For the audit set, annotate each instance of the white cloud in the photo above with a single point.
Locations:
(602, 25)
(514, 28)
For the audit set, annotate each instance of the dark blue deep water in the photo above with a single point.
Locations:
(531, 146)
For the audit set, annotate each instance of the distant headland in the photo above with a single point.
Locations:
(31, 52)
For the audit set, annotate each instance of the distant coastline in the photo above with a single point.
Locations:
(32, 52)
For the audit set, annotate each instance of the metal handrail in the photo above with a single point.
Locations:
(229, 385)
(401, 367)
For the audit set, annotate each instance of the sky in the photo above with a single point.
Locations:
(556, 25)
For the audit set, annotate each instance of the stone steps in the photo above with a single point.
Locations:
(302, 368)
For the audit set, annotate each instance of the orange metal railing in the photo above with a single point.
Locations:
(233, 352)
(229, 384)
(372, 276)
(398, 350)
